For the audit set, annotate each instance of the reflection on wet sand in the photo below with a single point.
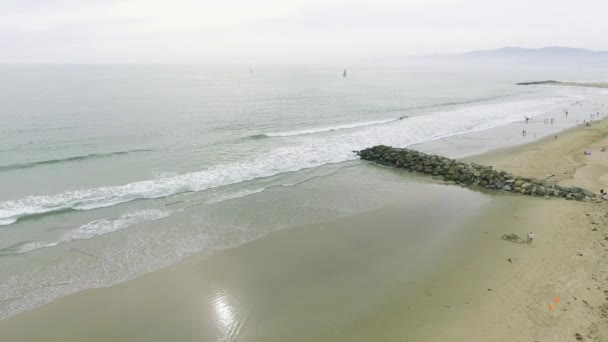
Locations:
(228, 314)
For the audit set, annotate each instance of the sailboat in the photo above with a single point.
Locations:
(250, 70)
(344, 74)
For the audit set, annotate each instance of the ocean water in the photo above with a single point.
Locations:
(109, 172)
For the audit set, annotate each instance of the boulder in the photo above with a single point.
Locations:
(576, 190)
(547, 184)
(587, 193)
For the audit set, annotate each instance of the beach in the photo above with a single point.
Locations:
(303, 171)
(370, 276)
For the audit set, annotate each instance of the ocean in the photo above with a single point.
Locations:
(110, 172)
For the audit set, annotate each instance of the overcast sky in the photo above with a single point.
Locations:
(291, 31)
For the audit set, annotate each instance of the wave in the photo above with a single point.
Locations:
(298, 153)
(96, 228)
(105, 226)
(67, 160)
(471, 101)
(329, 128)
(7, 221)
(258, 136)
(377, 122)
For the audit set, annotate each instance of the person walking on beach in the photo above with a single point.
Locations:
(530, 237)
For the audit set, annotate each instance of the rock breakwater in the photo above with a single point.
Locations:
(470, 174)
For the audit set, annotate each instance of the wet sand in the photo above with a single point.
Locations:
(431, 266)
(314, 282)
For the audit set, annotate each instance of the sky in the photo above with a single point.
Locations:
(286, 31)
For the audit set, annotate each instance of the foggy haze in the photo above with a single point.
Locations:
(274, 31)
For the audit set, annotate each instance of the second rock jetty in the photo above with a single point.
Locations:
(470, 174)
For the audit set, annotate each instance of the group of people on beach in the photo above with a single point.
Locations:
(550, 121)
(603, 193)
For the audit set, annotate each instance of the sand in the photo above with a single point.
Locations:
(566, 261)
(365, 278)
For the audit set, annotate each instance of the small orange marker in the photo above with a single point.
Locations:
(557, 300)
(551, 307)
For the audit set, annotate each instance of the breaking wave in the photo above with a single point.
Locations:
(330, 128)
(98, 227)
(300, 151)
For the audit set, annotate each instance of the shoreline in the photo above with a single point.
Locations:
(503, 137)
(120, 260)
(520, 295)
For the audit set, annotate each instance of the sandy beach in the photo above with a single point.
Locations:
(565, 262)
(366, 278)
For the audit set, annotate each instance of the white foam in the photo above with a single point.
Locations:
(235, 195)
(32, 246)
(99, 227)
(328, 129)
(7, 221)
(298, 152)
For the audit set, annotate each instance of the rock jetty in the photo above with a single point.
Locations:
(572, 84)
(470, 174)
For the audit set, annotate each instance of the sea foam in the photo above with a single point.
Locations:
(298, 152)
(98, 227)
(329, 128)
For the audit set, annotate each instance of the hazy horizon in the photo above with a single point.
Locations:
(275, 32)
